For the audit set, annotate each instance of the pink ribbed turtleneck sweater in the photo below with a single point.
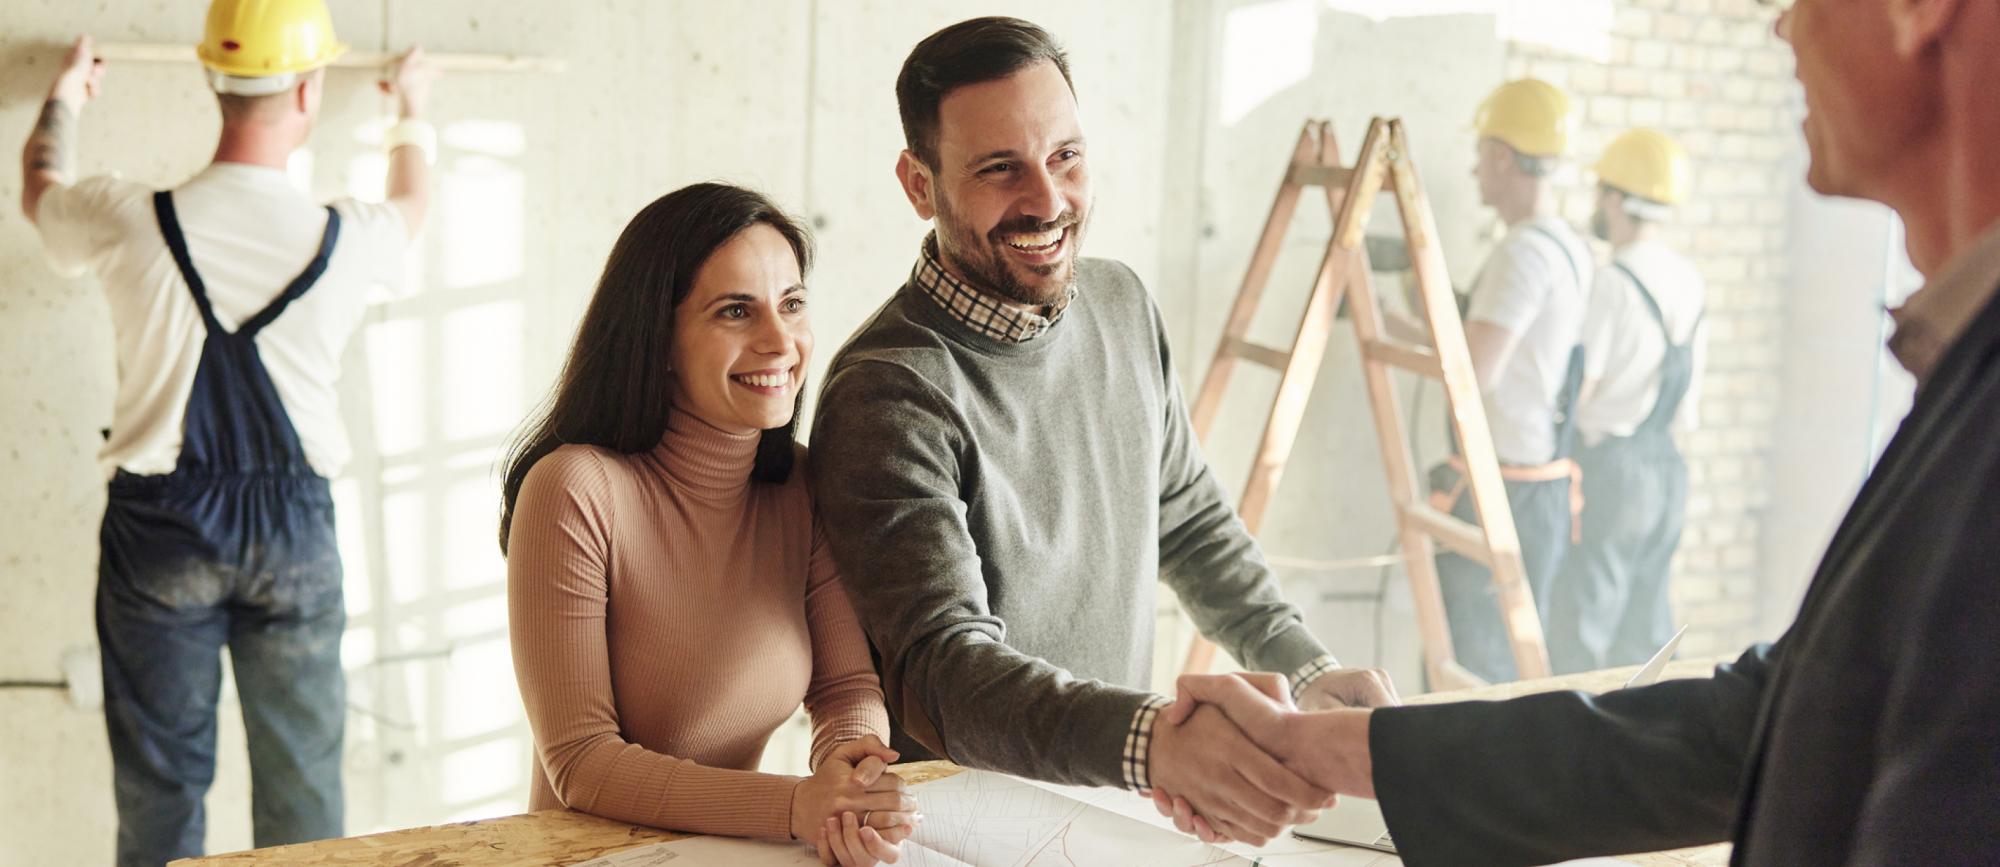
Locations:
(667, 615)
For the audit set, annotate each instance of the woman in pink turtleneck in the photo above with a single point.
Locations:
(670, 599)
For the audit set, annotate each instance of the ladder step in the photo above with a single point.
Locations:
(1408, 356)
(1257, 353)
(1309, 174)
(1462, 538)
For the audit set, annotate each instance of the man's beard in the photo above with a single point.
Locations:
(1600, 225)
(985, 265)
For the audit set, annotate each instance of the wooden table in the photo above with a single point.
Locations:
(562, 837)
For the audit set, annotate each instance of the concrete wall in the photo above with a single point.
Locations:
(1843, 394)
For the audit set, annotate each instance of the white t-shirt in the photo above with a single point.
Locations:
(1623, 347)
(249, 233)
(1530, 288)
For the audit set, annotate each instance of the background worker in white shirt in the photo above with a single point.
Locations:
(1521, 327)
(1642, 340)
(231, 297)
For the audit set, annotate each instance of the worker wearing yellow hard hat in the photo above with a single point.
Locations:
(218, 524)
(1522, 319)
(1643, 344)
(1647, 165)
(1531, 116)
(258, 47)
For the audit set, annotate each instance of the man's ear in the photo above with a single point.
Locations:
(1916, 25)
(917, 183)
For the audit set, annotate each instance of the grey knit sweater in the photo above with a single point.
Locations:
(1003, 513)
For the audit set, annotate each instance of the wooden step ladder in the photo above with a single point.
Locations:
(1385, 164)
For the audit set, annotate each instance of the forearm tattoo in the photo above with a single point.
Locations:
(52, 146)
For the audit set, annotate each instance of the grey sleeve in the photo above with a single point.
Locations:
(886, 465)
(1551, 777)
(1209, 558)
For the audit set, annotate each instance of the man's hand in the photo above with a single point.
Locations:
(1272, 685)
(80, 77)
(409, 81)
(1238, 789)
(1328, 748)
(1349, 687)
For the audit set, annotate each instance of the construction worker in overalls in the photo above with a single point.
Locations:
(232, 297)
(1642, 340)
(1521, 327)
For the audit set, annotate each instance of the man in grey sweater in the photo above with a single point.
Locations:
(1005, 470)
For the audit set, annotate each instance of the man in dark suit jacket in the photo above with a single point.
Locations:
(1870, 732)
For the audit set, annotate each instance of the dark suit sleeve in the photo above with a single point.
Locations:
(1546, 778)
(1934, 794)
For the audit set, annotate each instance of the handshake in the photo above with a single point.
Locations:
(1234, 759)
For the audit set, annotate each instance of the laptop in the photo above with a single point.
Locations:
(1359, 822)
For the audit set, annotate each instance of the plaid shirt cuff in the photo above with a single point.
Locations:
(1139, 743)
(1310, 672)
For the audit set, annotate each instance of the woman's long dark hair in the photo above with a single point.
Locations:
(614, 389)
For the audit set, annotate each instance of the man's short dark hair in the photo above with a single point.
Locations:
(969, 52)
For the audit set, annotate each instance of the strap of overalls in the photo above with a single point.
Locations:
(1676, 365)
(1566, 398)
(170, 229)
(1565, 420)
(235, 423)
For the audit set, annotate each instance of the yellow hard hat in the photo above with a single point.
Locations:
(260, 46)
(1648, 164)
(1532, 116)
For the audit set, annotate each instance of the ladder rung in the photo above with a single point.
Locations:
(1459, 536)
(1308, 174)
(1257, 353)
(1408, 356)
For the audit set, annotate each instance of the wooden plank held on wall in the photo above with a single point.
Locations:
(154, 52)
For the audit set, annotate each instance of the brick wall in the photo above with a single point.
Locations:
(1710, 73)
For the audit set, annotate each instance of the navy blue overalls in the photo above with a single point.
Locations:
(1542, 499)
(235, 546)
(1610, 606)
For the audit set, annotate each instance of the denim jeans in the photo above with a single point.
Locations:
(1610, 605)
(188, 568)
(1478, 637)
